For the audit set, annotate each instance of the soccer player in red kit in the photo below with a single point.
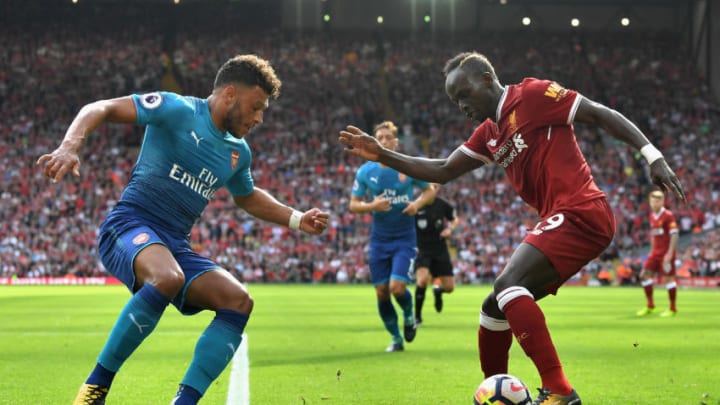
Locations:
(527, 128)
(661, 259)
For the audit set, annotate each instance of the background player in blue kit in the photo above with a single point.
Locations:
(191, 148)
(392, 239)
(435, 223)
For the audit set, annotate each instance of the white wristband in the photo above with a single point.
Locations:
(295, 220)
(650, 153)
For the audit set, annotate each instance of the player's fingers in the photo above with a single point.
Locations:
(672, 184)
(319, 222)
(76, 169)
(354, 130)
(61, 172)
(321, 218)
(679, 192)
(43, 159)
(51, 168)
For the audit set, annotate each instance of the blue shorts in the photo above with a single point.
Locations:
(122, 237)
(392, 260)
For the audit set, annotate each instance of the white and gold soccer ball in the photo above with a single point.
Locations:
(502, 389)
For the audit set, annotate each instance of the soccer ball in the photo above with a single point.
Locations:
(502, 389)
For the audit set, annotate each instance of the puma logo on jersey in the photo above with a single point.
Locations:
(196, 138)
(374, 180)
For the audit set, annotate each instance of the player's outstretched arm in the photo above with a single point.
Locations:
(65, 158)
(621, 128)
(360, 144)
(262, 205)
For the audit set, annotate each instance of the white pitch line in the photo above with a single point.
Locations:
(87, 333)
(239, 390)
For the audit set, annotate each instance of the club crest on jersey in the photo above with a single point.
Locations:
(151, 100)
(234, 158)
(512, 122)
(140, 238)
(402, 177)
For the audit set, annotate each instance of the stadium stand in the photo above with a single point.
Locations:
(49, 70)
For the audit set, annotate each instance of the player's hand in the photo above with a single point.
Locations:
(446, 233)
(667, 267)
(58, 163)
(411, 209)
(314, 221)
(360, 144)
(382, 203)
(663, 176)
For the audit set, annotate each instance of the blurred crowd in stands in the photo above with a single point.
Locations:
(48, 72)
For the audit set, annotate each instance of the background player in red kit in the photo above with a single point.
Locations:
(527, 129)
(661, 259)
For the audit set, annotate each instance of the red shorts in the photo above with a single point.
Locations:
(570, 238)
(656, 265)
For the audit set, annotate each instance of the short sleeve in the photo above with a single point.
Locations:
(476, 146)
(549, 103)
(359, 188)
(161, 108)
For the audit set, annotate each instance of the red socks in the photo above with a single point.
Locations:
(527, 322)
(494, 348)
(672, 294)
(648, 288)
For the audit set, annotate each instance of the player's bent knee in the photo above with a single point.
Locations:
(490, 307)
(169, 283)
(242, 302)
(397, 290)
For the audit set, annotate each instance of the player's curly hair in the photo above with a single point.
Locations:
(250, 70)
(473, 60)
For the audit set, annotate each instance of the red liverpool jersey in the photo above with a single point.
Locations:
(533, 140)
(662, 225)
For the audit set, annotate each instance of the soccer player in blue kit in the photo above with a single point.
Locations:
(191, 148)
(392, 239)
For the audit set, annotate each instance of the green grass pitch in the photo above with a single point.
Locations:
(325, 345)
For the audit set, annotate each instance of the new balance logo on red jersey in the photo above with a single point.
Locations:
(519, 142)
(510, 150)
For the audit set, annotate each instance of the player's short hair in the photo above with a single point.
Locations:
(249, 70)
(656, 193)
(387, 125)
(474, 61)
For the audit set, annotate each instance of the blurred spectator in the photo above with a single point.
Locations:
(48, 70)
